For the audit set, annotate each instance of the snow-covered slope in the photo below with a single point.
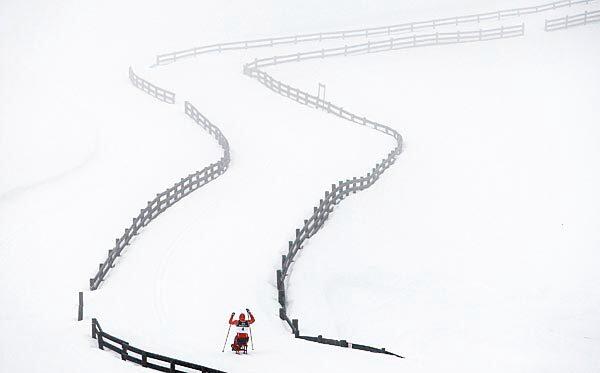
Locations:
(475, 251)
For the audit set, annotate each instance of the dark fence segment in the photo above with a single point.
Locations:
(169, 197)
(80, 307)
(141, 357)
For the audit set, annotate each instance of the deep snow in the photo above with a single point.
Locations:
(476, 250)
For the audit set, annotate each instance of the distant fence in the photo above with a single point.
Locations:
(344, 188)
(166, 199)
(151, 89)
(438, 38)
(572, 21)
(166, 58)
(141, 357)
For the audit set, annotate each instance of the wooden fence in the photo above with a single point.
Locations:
(438, 38)
(169, 197)
(572, 21)
(144, 358)
(344, 188)
(381, 31)
(151, 89)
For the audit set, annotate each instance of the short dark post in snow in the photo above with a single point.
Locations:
(100, 341)
(80, 310)
(94, 329)
(296, 329)
(172, 367)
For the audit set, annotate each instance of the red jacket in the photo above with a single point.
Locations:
(236, 322)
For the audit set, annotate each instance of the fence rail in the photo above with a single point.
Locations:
(572, 21)
(141, 357)
(380, 31)
(423, 40)
(151, 89)
(169, 197)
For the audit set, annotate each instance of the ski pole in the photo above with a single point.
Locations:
(226, 338)
(251, 342)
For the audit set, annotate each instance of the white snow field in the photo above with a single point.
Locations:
(476, 251)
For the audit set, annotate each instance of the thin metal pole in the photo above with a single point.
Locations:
(251, 342)
(226, 338)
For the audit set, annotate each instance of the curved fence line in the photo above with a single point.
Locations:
(568, 21)
(151, 89)
(166, 199)
(438, 38)
(141, 357)
(163, 59)
(343, 189)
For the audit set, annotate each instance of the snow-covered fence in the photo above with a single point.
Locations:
(332, 197)
(344, 188)
(141, 357)
(166, 199)
(380, 31)
(151, 89)
(572, 21)
(414, 41)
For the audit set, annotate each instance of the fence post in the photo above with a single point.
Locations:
(100, 341)
(172, 367)
(295, 327)
(144, 359)
(94, 328)
(279, 280)
(281, 297)
(80, 310)
(124, 346)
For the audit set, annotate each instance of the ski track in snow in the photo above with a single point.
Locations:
(158, 305)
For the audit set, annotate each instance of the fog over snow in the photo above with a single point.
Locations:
(478, 250)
